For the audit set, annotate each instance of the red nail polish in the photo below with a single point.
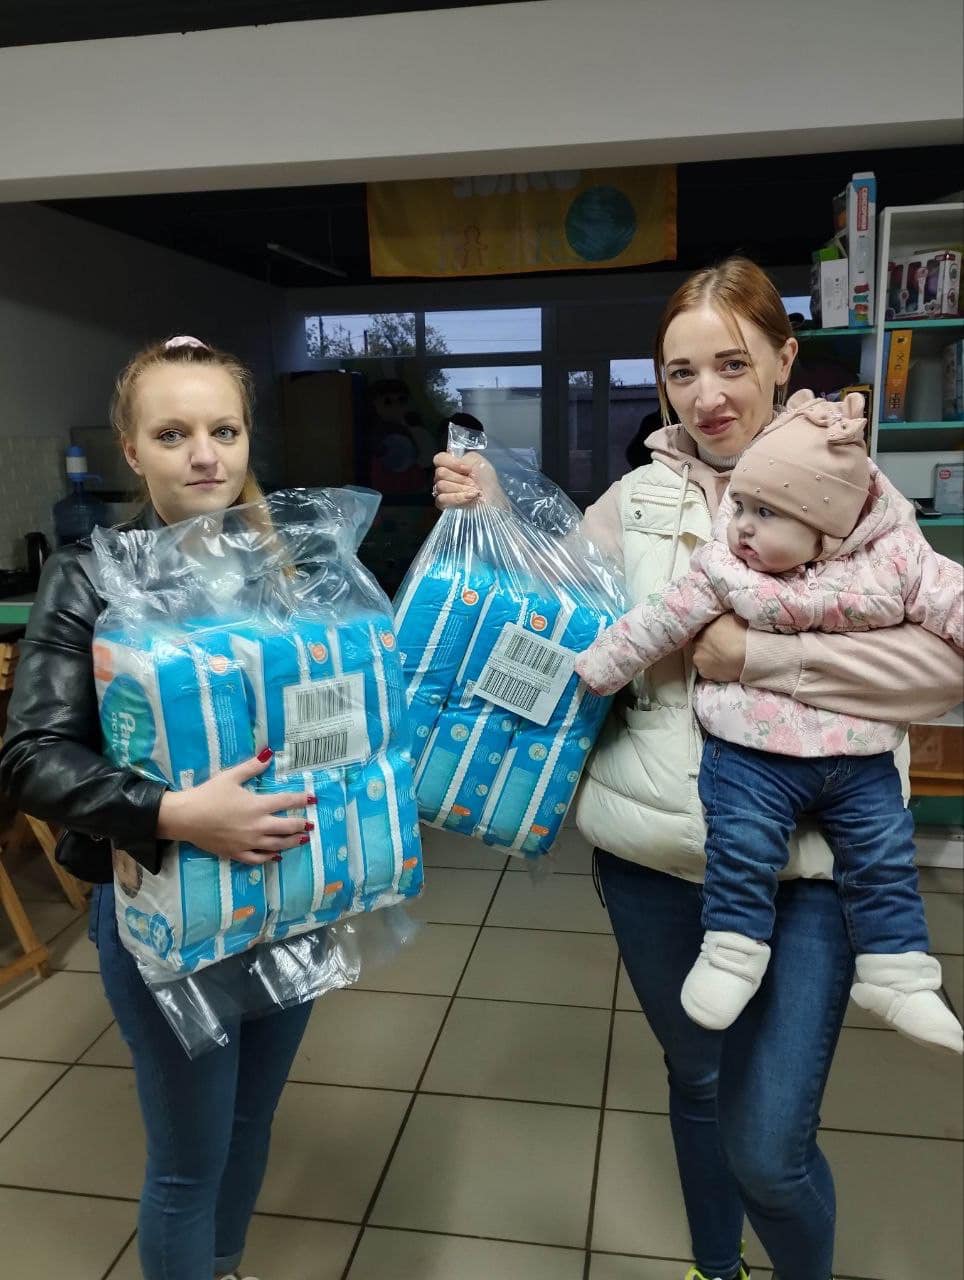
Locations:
(276, 857)
(311, 800)
(265, 755)
(309, 826)
(304, 840)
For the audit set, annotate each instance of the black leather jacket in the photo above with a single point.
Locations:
(51, 763)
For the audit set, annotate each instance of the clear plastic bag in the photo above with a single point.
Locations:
(253, 627)
(495, 609)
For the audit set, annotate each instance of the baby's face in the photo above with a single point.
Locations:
(767, 540)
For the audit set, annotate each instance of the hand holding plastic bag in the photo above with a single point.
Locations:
(503, 595)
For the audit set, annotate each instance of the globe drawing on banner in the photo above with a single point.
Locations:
(600, 224)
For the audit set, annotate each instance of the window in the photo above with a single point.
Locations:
(475, 332)
(507, 401)
(799, 306)
(387, 333)
(633, 414)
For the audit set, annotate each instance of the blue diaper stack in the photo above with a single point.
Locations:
(485, 768)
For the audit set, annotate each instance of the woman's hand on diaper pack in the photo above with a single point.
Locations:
(461, 481)
(223, 817)
(719, 651)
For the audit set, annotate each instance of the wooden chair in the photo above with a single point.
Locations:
(23, 826)
(936, 760)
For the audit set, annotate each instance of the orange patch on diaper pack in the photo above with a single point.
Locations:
(461, 811)
(103, 667)
(388, 640)
(537, 622)
(242, 913)
(470, 596)
(218, 663)
(539, 831)
(319, 652)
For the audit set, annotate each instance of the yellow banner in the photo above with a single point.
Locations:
(554, 221)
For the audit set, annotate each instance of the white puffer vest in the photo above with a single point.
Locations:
(639, 796)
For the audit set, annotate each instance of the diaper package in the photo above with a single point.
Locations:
(490, 618)
(228, 633)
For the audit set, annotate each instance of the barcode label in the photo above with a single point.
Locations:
(325, 724)
(310, 753)
(539, 656)
(525, 674)
(319, 702)
(518, 693)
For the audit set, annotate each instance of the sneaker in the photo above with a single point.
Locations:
(727, 974)
(742, 1274)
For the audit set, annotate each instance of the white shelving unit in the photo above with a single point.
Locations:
(909, 451)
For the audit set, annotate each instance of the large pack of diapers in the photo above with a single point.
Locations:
(223, 635)
(499, 602)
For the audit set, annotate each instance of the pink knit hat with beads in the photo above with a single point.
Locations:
(811, 463)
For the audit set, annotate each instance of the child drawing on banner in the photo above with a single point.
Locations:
(811, 536)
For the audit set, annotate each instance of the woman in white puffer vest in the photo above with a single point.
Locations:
(744, 1103)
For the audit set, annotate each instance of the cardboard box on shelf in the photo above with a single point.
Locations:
(924, 285)
(952, 382)
(897, 349)
(830, 292)
(861, 204)
(949, 488)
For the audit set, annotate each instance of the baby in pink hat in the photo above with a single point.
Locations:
(811, 536)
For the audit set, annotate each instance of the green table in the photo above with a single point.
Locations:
(15, 611)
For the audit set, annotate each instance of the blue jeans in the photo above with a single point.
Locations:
(744, 1104)
(753, 801)
(208, 1121)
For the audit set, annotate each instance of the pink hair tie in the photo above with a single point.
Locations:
(185, 340)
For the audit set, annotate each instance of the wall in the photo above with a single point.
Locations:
(477, 90)
(75, 301)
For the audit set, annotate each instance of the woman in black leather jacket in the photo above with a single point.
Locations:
(183, 413)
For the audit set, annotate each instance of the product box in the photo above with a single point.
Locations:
(949, 488)
(924, 285)
(830, 292)
(861, 204)
(895, 368)
(952, 382)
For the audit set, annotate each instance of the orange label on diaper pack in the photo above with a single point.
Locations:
(409, 863)
(319, 652)
(537, 622)
(242, 913)
(218, 663)
(103, 667)
(333, 889)
(388, 640)
(470, 596)
(539, 831)
(461, 811)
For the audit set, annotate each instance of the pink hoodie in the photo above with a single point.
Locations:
(884, 574)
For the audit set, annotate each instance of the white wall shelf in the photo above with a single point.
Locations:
(908, 451)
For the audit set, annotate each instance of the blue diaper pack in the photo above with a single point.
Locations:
(305, 663)
(489, 621)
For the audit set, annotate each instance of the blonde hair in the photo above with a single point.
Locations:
(177, 352)
(738, 289)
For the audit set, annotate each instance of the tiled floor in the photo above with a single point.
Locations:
(492, 1107)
